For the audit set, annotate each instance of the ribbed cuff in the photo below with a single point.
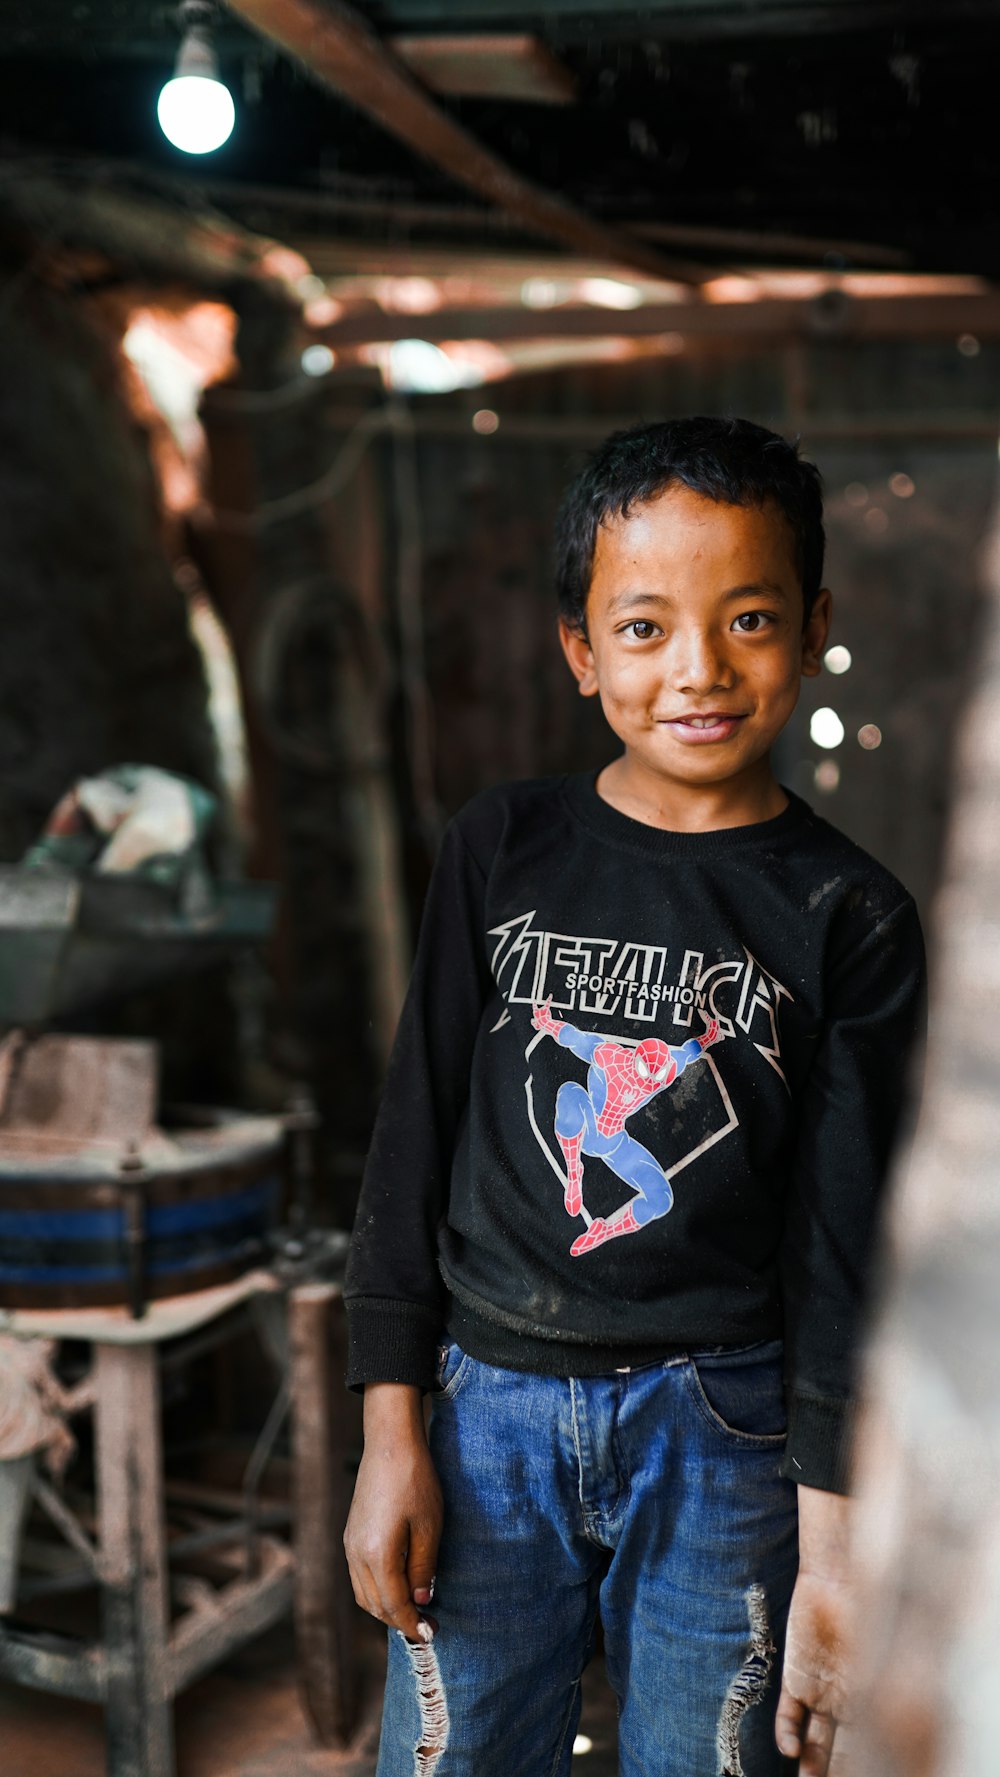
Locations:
(818, 1452)
(391, 1341)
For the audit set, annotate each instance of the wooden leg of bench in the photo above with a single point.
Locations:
(325, 1613)
(133, 1563)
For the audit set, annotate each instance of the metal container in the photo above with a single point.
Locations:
(190, 1206)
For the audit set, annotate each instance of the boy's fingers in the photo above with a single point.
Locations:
(817, 1746)
(422, 1563)
(805, 1735)
(395, 1606)
(789, 1725)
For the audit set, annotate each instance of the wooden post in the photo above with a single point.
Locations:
(324, 1604)
(133, 1563)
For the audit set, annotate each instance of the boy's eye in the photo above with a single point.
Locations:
(749, 622)
(642, 628)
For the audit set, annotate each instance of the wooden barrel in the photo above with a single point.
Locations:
(193, 1208)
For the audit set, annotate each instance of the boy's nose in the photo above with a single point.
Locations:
(698, 663)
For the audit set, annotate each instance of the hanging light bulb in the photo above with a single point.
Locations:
(195, 109)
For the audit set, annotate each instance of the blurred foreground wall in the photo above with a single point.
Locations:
(929, 1459)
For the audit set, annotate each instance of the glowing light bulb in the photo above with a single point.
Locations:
(195, 109)
(196, 114)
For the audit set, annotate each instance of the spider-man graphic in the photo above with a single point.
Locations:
(591, 1120)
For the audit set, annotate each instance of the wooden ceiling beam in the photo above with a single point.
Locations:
(921, 316)
(146, 238)
(338, 47)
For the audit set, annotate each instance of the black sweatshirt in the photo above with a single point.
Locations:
(758, 1159)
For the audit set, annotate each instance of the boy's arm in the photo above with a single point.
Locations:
(849, 1115)
(393, 1290)
(394, 1525)
(817, 1638)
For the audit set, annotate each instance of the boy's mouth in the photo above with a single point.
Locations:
(710, 726)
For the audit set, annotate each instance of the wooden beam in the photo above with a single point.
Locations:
(875, 317)
(339, 48)
(44, 1662)
(686, 19)
(583, 431)
(472, 65)
(152, 238)
(215, 1628)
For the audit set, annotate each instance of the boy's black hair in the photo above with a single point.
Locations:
(730, 460)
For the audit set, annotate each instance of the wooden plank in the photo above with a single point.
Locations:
(156, 240)
(685, 19)
(133, 1562)
(324, 1606)
(472, 65)
(39, 1662)
(336, 44)
(586, 430)
(829, 314)
(240, 1611)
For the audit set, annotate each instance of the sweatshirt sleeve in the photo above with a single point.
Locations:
(854, 1097)
(393, 1291)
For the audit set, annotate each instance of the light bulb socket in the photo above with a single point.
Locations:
(196, 58)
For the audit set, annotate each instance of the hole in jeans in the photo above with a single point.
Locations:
(749, 1685)
(434, 1722)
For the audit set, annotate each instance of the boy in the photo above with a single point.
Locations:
(621, 1195)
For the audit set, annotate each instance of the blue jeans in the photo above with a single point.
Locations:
(649, 1496)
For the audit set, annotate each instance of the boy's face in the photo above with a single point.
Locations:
(696, 646)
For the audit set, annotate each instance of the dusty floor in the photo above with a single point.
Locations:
(244, 1720)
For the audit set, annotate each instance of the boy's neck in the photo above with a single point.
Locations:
(691, 808)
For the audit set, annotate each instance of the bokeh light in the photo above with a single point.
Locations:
(825, 728)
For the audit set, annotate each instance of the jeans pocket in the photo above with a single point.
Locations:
(741, 1393)
(452, 1370)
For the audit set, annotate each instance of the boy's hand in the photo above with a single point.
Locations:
(394, 1526)
(813, 1687)
(542, 1019)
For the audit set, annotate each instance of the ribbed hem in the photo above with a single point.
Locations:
(391, 1341)
(818, 1453)
(508, 1348)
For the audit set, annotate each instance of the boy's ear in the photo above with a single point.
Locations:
(577, 650)
(814, 636)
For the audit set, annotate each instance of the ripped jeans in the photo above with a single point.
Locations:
(651, 1497)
